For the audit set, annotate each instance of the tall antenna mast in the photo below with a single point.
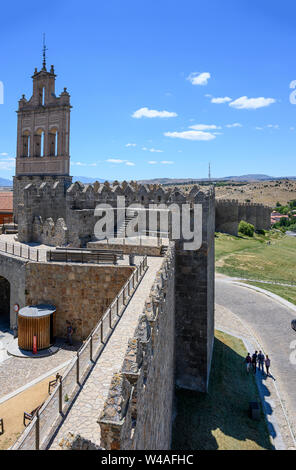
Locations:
(44, 52)
(210, 172)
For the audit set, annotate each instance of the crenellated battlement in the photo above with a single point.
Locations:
(230, 202)
(80, 196)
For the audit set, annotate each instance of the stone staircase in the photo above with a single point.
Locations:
(120, 232)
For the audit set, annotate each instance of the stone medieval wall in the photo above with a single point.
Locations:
(14, 270)
(194, 291)
(229, 213)
(138, 411)
(81, 293)
(42, 205)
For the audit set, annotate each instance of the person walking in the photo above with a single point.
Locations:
(69, 333)
(267, 364)
(261, 358)
(248, 361)
(254, 361)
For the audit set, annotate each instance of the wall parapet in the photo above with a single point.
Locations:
(138, 411)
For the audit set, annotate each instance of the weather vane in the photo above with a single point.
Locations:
(44, 52)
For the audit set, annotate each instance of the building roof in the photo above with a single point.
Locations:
(6, 202)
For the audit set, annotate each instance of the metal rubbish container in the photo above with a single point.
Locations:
(254, 410)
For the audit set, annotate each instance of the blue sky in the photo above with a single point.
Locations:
(144, 78)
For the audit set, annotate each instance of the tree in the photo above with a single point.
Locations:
(246, 229)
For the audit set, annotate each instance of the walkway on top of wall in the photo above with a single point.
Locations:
(28, 251)
(87, 407)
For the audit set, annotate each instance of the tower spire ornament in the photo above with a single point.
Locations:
(44, 49)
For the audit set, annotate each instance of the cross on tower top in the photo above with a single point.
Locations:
(44, 52)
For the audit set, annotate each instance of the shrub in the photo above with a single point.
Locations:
(246, 229)
(292, 227)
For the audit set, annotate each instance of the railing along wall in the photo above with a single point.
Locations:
(23, 251)
(39, 432)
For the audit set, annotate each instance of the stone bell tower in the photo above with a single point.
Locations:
(43, 135)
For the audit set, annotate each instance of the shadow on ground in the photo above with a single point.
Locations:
(220, 419)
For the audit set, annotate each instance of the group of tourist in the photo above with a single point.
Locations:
(257, 359)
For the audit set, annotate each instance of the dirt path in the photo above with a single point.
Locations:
(12, 411)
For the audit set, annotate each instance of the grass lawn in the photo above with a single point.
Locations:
(219, 419)
(288, 293)
(254, 258)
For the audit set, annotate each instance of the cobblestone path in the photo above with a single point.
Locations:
(15, 372)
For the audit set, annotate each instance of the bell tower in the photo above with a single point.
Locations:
(43, 130)
(43, 135)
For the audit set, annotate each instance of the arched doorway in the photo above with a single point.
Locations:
(4, 302)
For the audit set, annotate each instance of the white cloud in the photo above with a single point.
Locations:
(204, 127)
(6, 163)
(153, 150)
(163, 162)
(83, 164)
(251, 103)
(199, 78)
(119, 161)
(292, 128)
(130, 145)
(152, 113)
(190, 135)
(268, 126)
(115, 160)
(235, 124)
(221, 100)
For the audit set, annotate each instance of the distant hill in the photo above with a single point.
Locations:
(5, 182)
(83, 179)
(256, 178)
(243, 178)
(86, 180)
(169, 181)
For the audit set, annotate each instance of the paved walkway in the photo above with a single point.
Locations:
(86, 409)
(265, 324)
(15, 372)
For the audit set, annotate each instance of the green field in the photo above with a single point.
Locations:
(219, 419)
(287, 293)
(253, 258)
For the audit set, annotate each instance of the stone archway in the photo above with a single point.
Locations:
(4, 301)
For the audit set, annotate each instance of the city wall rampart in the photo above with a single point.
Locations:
(229, 213)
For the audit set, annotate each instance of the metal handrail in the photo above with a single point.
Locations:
(140, 270)
(19, 251)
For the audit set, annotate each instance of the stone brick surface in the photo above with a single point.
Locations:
(229, 213)
(80, 292)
